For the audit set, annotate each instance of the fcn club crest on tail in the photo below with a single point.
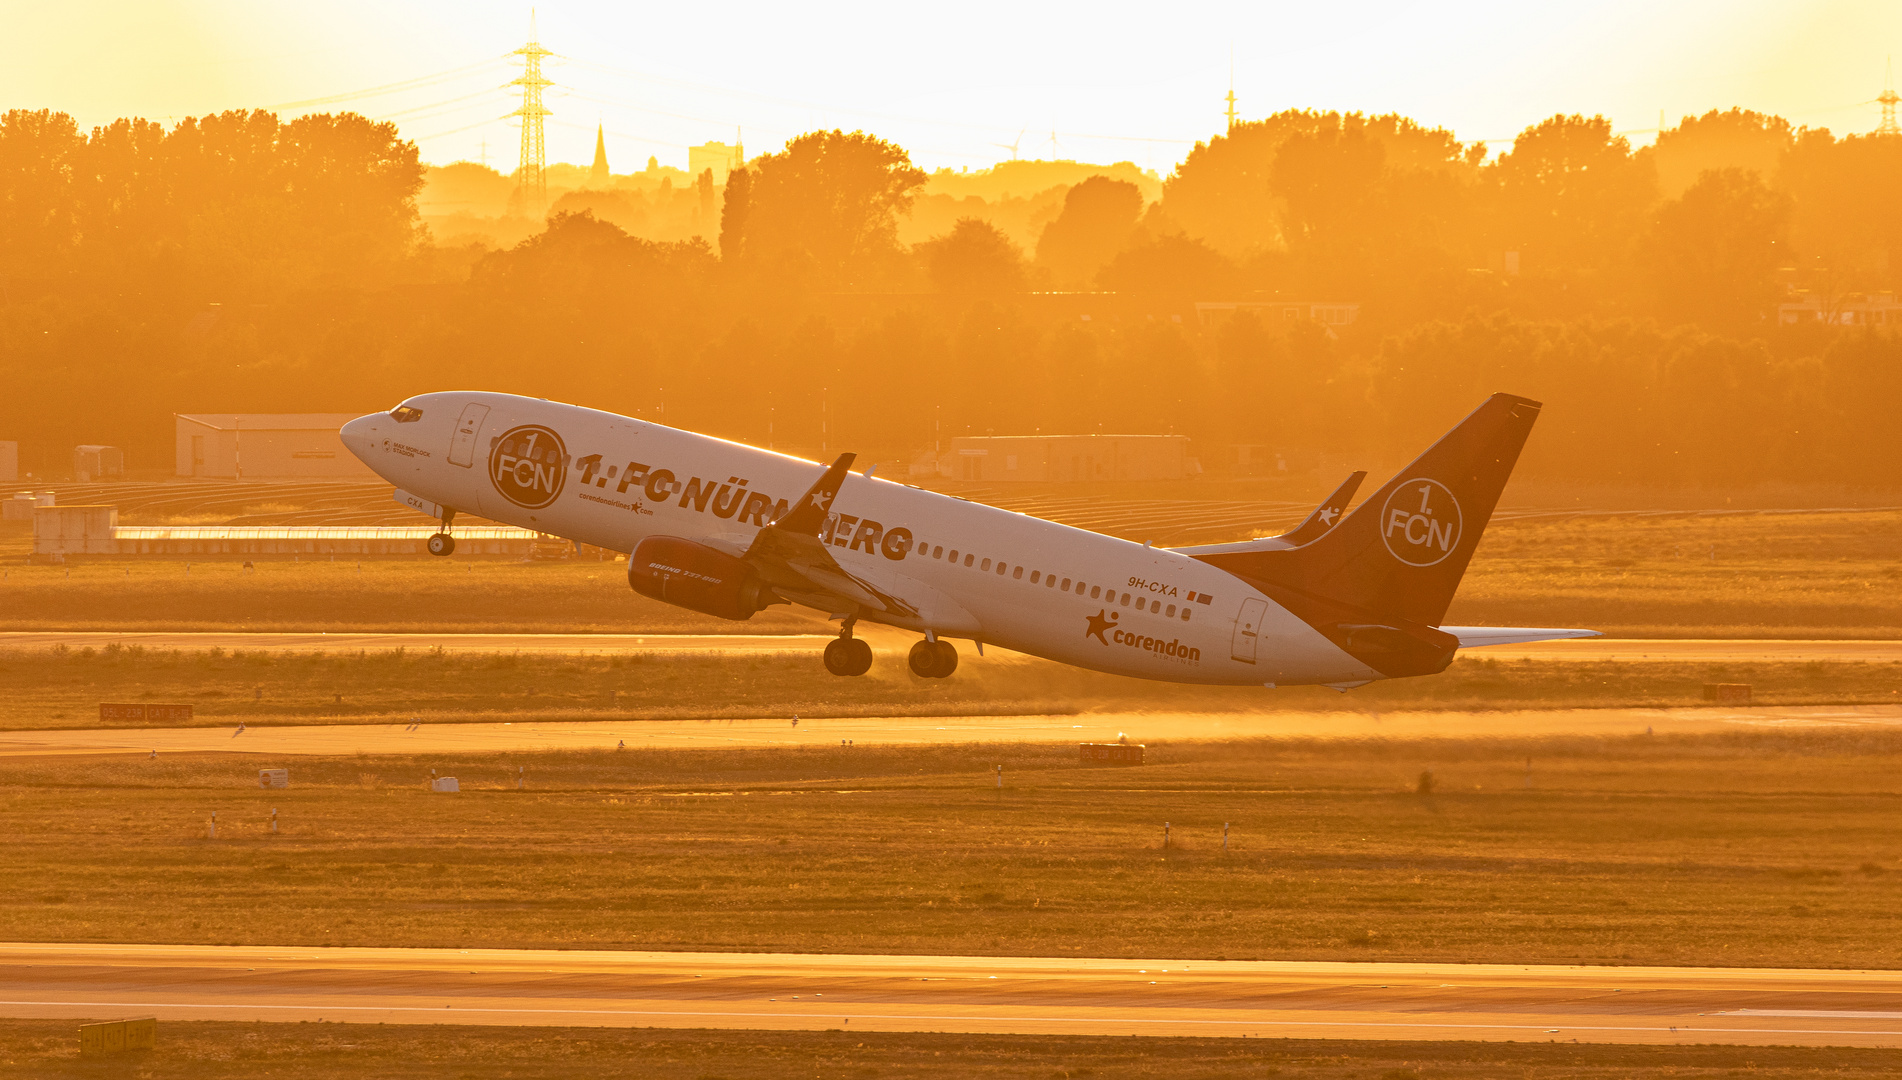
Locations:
(526, 466)
(1420, 522)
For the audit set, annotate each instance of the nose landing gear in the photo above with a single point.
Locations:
(847, 655)
(442, 543)
(933, 659)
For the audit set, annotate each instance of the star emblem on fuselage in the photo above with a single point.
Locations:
(1098, 624)
(1328, 515)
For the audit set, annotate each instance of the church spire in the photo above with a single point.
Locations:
(598, 176)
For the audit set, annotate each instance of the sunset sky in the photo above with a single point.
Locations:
(955, 85)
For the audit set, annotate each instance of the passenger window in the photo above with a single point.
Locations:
(1001, 567)
(611, 471)
(1018, 573)
(938, 553)
(986, 566)
(1035, 575)
(1171, 613)
(1066, 584)
(1050, 581)
(1125, 599)
(1096, 591)
(954, 554)
(1140, 602)
(967, 558)
(1185, 613)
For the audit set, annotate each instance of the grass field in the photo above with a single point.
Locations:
(229, 1051)
(62, 688)
(1751, 575)
(1756, 848)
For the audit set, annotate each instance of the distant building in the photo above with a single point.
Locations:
(9, 462)
(719, 157)
(1852, 309)
(258, 446)
(1327, 312)
(598, 176)
(1055, 458)
(97, 462)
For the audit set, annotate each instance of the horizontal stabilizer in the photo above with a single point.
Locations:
(1472, 637)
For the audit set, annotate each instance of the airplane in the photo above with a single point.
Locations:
(726, 529)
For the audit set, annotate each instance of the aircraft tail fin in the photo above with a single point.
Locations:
(1380, 581)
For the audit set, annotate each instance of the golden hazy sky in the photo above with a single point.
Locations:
(955, 84)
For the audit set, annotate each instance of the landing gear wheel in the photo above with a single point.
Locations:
(848, 656)
(947, 658)
(442, 544)
(933, 659)
(923, 660)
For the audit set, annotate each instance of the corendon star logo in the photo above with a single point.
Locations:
(1099, 624)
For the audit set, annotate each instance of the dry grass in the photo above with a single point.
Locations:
(1754, 575)
(234, 1051)
(1774, 575)
(61, 688)
(1771, 848)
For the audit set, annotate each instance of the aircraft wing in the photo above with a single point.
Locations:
(1472, 637)
(789, 555)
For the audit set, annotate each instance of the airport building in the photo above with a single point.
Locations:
(261, 446)
(1056, 458)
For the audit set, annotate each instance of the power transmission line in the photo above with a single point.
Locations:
(532, 180)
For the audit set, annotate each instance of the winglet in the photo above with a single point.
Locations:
(809, 513)
(1326, 514)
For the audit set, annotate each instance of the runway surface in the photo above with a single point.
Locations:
(450, 738)
(888, 640)
(1005, 995)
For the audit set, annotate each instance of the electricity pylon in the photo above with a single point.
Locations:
(532, 178)
(1888, 101)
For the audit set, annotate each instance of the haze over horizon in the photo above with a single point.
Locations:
(956, 92)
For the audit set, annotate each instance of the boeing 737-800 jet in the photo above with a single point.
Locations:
(728, 529)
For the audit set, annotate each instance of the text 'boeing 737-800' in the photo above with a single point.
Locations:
(728, 530)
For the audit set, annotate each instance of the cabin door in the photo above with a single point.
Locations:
(468, 426)
(1248, 630)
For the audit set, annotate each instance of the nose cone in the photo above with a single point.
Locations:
(360, 435)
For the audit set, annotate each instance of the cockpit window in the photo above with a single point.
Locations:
(403, 414)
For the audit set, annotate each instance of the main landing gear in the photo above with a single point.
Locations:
(442, 543)
(933, 659)
(847, 655)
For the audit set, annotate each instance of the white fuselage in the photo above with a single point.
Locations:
(1018, 582)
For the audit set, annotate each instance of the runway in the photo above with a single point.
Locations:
(1001, 995)
(284, 741)
(885, 639)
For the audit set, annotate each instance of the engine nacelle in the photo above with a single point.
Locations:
(697, 577)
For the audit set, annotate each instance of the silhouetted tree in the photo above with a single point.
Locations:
(1715, 251)
(1174, 267)
(735, 208)
(1736, 139)
(830, 202)
(1222, 192)
(39, 153)
(1573, 196)
(974, 259)
(1098, 216)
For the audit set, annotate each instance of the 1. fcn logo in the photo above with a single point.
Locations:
(526, 466)
(1420, 522)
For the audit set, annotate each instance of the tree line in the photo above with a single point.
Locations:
(240, 262)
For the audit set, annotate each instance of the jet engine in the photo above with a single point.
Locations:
(697, 577)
